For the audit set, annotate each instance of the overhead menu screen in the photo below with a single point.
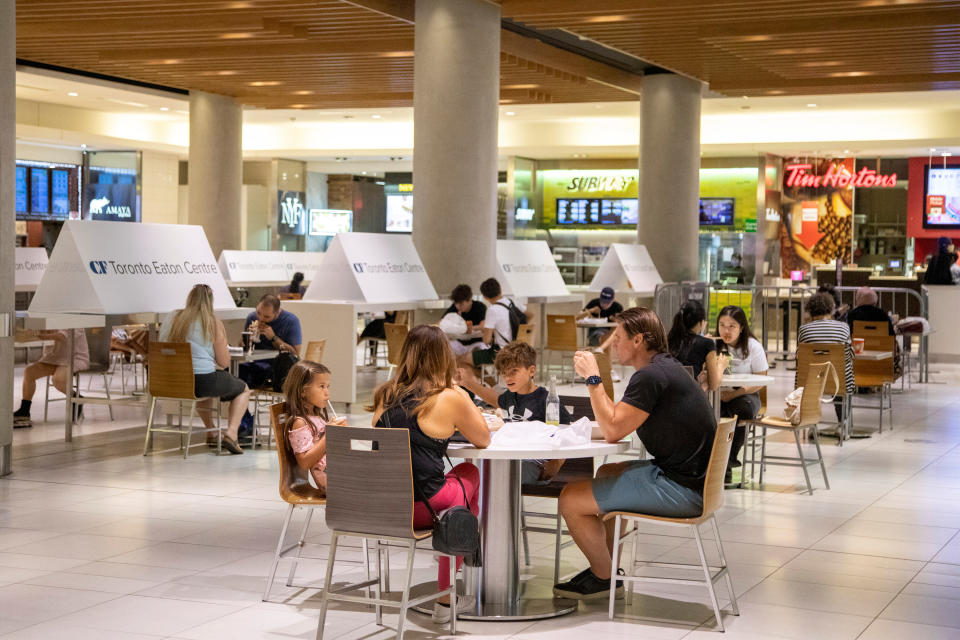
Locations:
(597, 211)
(942, 202)
(21, 190)
(39, 191)
(61, 192)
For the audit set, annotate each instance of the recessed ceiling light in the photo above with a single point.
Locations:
(164, 108)
(376, 116)
(304, 92)
(235, 36)
(510, 113)
(946, 154)
(73, 94)
(265, 83)
(846, 150)
(746, 97)
(298, 106)
(850, 74)
(604, 19)
(932, 149)
(811, 104)
(521, 86)
(226, 73)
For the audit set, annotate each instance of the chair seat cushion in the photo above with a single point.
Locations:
(644, 516)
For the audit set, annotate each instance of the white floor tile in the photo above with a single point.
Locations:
(152, 616)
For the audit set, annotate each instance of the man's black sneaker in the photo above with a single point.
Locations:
(586, 586)
(22, 422)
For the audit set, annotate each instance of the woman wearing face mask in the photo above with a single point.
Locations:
(688, 345)
(746, 356)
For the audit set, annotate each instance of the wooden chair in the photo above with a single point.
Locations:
(876, 373)
(525, 334)
(396, 334)
(296, 491)
(810, 413)
(171, 378)
(314, 350)
(290, 296)
(712, 501)
(370, 496)
(810, 353)
(561, 337)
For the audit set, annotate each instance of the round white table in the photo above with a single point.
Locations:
(500, 595)
(737, 380)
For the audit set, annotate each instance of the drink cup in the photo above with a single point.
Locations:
(858, 345)
(247, 337)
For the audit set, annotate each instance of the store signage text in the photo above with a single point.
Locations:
(293, 214)
(103, 267)
(388, 267)
(837, 177)
(600, 183)
(101, 206)
(529, 268)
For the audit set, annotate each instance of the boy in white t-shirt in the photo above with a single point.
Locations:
(497, 331)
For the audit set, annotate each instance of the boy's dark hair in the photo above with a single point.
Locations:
(461, 293)
(515, 354)
(490, 288)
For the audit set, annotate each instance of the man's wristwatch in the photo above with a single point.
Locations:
(593, 380)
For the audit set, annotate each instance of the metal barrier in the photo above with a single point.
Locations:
(775, 312)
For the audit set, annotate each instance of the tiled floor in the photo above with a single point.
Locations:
(99, 542)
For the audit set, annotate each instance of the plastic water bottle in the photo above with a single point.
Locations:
(553, 403)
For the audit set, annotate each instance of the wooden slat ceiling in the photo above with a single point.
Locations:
(772, 47)
(281, 53)
(359, 53)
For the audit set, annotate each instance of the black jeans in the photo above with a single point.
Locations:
(744, 408)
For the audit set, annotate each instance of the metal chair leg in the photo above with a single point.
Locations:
(106, 389)
(46, 399)
(453, 596)
(405, 599)
(193, 410)
(614, 561)
(147, 441)
(706, 573)
(823, 466)
(378, 608)
(325, 594)
(763, 451)
(723, 563)
(296, 559)
(276, 555)
(524, 537)
(803, 462)
(557, 547)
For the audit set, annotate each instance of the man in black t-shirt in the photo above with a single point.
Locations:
(472, 311)
(604, 307)
(670, 414)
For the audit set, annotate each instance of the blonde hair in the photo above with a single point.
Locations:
(301, 375)
(426, 368)
(199, 308)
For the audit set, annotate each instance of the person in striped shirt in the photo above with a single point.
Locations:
(822, 328)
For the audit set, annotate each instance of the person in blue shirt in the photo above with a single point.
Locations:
(278, 330)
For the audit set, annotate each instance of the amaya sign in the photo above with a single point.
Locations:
(837, 177)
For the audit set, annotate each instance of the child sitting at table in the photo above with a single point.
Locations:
(307, 391)
(523, 401)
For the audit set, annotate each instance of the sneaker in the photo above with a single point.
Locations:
(441, 611)
(246, 426)
(22, 422)
(586, 586)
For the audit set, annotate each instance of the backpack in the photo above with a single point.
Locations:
(517, 318)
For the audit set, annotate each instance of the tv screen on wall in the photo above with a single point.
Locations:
(597, 211)
(399, 213)
(716, 212)
(21, 190)
(941, 207)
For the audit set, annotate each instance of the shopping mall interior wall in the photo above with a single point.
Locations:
(925, 239)
(159, 191)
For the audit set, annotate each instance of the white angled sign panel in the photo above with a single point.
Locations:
(267, 266)
(31, 263)
(117, 267)
(528, 269)
(627, 267)
(371, 267)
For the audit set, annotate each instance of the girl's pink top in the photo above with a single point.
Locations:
(303, 439)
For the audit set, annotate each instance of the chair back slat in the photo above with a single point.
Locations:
(868, 330)
(396, 333)
(812, 353)
(578, 406)
(525, 333)
(369, 481)
(719, 457)
(811, 404)
(606, 371)
(294, 481)
(562, 333)
(171, 370)
(289, 296)
(314, 352)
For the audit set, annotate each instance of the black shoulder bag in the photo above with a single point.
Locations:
(456, 531)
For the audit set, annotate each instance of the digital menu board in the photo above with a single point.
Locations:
(21, 190)
(597, 211)
(39, 191)
(60, 202)
(716, 212)
(942, 201)
(399, 213)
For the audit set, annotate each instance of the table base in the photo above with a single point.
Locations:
(536, 608)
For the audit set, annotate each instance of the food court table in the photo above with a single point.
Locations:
(867, 354)
(236, 357)
(737, 380)
(500, 594)
(585, 325)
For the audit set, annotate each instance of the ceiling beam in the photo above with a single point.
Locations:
(402, 10)
(542, 53)
(881, 21)
(222, 21)
(796, 84)
(510, 8)
(356, 46)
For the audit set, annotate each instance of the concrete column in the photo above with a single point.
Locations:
(456, 97)
(216, 169)
(669, 219)
(8, 157)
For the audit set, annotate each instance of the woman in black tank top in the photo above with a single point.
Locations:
(421, 397)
